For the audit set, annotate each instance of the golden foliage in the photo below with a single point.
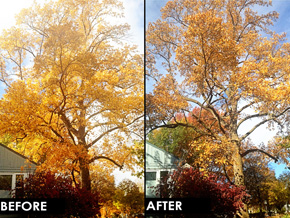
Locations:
(222, 57)
(78, 94)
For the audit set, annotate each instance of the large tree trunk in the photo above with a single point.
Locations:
(85, 174)
(239, 174)
(237, 157)
(84, 163)
(238, 166)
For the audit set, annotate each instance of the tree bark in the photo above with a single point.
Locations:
(239, 175)
(238, 167)
(85, 174)
(237, 157)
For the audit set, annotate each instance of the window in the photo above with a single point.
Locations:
(5, 186)
(150, 176)
(19, 185)
(163, 174)
(19, 179)
(5, 182)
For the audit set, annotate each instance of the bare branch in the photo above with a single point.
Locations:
(111, 130)
(254, 128)
(68, 124)
(272, 117)
(210, 109)
(226, 174)
(259, 150)
(252, 116)
(107, 158)
(245, 107)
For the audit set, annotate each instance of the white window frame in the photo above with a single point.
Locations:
(13, 184)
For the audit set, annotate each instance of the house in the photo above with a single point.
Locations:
(158, 164)
(13, 167)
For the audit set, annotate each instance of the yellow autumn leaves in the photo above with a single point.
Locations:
(75, 92)
(212, 154)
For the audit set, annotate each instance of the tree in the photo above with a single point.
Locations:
(128, 197)
(279, 191)
(74, 90)
(278, 195)
(189, 145)
(138, 151)
(285, 179)
(104, 184)
(215, 57)
(258, 179)
(177, 140)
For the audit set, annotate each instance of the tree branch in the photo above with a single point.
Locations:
(254, 128)
(226, 174)
(259, 150)
(107, 158)
(175, 125)
(68, 124)
(251, 116)
(272, 117)
(111, 130)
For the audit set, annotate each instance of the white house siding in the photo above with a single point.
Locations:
(12, 166)
(11, 161)
(158, 162)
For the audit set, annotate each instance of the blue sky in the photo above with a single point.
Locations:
(262, 134)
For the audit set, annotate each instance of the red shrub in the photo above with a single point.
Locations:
(226, 199)
(79, 202)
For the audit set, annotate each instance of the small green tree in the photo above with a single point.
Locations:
(174, 140)
(128, 197)
(278, 195)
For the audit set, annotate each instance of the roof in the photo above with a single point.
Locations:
(12, 161)
(158, 158)
(161, 149)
